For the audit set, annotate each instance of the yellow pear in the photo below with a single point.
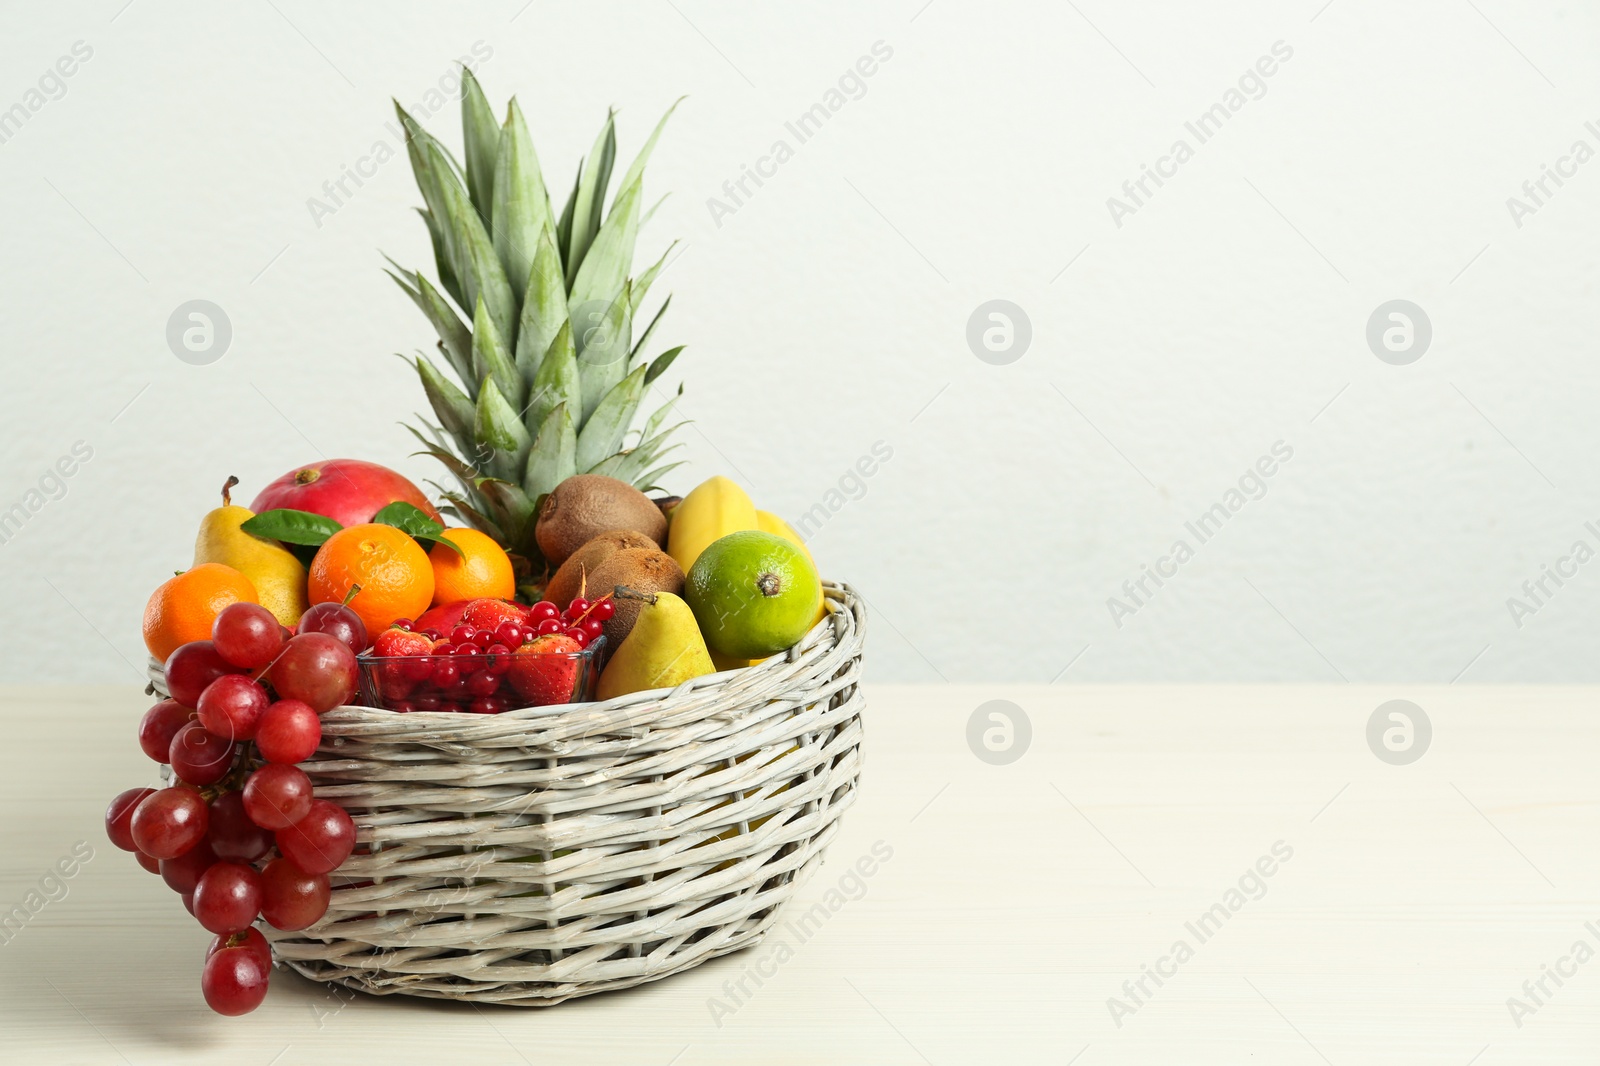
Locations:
(663, 649)
(279, 577)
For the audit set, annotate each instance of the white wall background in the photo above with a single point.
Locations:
(829, 312)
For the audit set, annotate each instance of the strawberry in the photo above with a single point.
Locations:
(401, 642)
(545, 671)
(488, 614)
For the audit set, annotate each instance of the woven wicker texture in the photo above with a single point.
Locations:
(546, 853)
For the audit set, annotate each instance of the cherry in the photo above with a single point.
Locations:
(337, 621)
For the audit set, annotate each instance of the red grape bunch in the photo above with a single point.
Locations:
(238, 834)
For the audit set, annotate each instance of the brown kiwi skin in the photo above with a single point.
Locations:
(585, 505)
(568, 582)
(641, 569)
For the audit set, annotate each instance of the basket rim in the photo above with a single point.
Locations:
(845, 620)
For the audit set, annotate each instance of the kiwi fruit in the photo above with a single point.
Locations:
(641, 569)
(586, 505)
(569, 581)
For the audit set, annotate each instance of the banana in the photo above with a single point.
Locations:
(713, 510)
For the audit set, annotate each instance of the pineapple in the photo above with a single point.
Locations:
(546, 349)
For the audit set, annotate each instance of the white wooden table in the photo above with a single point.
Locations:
(1018, 900)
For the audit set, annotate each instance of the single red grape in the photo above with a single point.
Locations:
(317, 669)
(234, 982)
(288, 732)
(183, 873)
(277, 795)
(228, 897)
(247, 635)
(150, 865)
(320, 842)
(291, 898)
(169, 822)
(249, 939)
(198, 756)
(159, 725)
(231, 833)
(231, 706)
(191, 668)
(119, 817)
(337, 621)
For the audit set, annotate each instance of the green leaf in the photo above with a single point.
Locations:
(603, 348)
(553, 457)
(482, 135)
(636, 169)
(651, 328)
(650, 481)
(291, 527)
(441, 256)
(476, 262)
(407, 517)
(659, 365)
(500, 431)
(454, 337)
(564, 226)
(656, 419)
(556, 383)
(512, 506)
(455, 411)
(490, 359)
(544, 306)
(591, 195)
(610, 258)
(642, 283)
(603, 431)
(521, 205)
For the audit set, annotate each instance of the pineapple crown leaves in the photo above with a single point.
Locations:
(535, 316)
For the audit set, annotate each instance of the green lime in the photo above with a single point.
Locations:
(753, 593)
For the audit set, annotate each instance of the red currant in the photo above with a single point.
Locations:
(402, 623)
(445, 673)
(509, 634)
(603, 609)
(542, 610)
(489, 705)
(548, 625)
(577, 607)
(462, 634)
(483, 684)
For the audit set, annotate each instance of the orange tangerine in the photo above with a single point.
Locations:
(395, 576)
(182, 608)
(481, 571)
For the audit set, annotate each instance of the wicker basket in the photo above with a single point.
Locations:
(547, 853)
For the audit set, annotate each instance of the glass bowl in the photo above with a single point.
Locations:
(479, 684)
